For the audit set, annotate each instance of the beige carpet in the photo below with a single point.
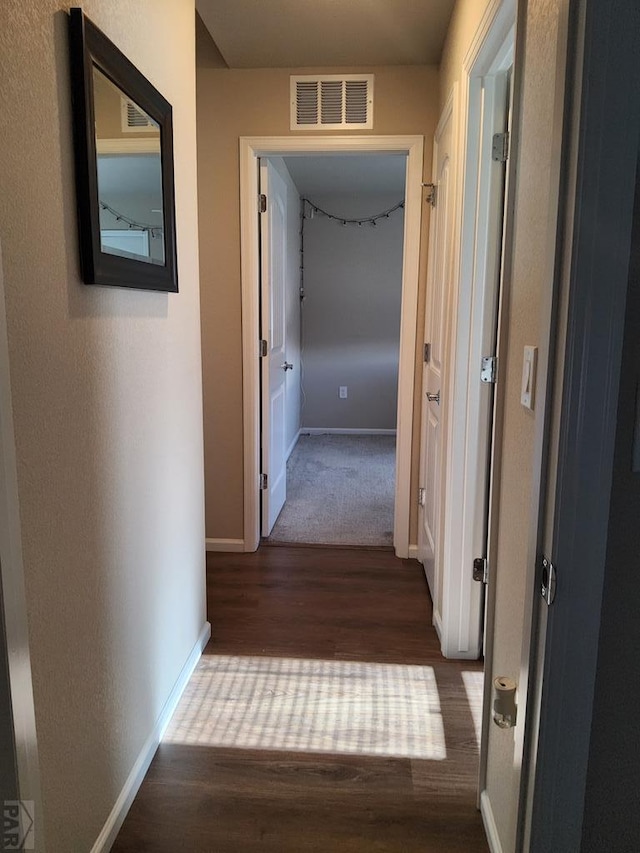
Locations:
(340, 491)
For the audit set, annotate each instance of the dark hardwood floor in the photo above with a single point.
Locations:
(336, 605)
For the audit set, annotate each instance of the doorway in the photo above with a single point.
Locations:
(331, 261)
(461, 341)
(251, 151)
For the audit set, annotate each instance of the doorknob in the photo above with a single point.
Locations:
(286, 366)
(434, 398)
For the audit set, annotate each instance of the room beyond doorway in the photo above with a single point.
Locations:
(339, 337)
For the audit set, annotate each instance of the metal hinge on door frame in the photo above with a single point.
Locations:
(500, 147)
(262, 348)
(432, 194)
(548, 579)
(264, 482)
(262, 203)
(426, 353)
(422, 496)
(481, 570)
(489, 369)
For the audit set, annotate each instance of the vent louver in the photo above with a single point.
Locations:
(133, 118)
(307, 103)
(332, 102)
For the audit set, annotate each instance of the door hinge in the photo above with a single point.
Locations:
(481, 570)
(422, 496)
(426, 353)
(489, 369)
(264, 481)
(262, 203)
(262, 348)
(548, 580)
(431, 196)
(500, 147)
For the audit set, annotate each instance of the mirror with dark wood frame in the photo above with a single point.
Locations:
(123, 139)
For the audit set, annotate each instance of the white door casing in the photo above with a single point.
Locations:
(252, 148)
(474, 304)
(434, 371)
(273, 331)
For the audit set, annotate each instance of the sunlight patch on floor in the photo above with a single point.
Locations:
(311, 706)
(474, 687)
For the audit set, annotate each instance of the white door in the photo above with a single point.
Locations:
(273, 331)
(440, 252)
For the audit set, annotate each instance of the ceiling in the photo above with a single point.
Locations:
(352, 174)
(299, 33)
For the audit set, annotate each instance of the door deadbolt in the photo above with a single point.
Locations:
(548, 581)
(286, 366)
(433, 398)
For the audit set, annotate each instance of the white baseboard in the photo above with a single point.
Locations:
(489, 821)
(291, 447)
(130, 788)
(340, 431)
(413, 552)
(224, 544)
(437, 623)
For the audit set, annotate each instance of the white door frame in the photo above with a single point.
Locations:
(251, 148)
(490, 54)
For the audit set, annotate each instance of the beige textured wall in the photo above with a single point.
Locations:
(106, 393)
(528, 283)
(231, 104)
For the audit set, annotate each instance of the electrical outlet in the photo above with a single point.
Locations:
(343, 392)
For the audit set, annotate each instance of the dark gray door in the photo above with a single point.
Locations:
(587, 772)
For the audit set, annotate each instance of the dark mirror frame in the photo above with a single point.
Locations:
(90, 47)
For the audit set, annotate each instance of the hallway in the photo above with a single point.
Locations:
(330, 605)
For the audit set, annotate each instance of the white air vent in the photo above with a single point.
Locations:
(332, 102)
(133, 118)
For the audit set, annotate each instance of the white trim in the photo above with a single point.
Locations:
(148, 145)
(345, 431)
(489, 822)
(436, 621)
(292, 446)
(224, 545)
(413, 552)
(251, 148)
(15, 604)
(114, 822)
(473, 321)
(490, 55)
(489, 29)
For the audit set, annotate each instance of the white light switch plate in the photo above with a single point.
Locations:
(529, 363)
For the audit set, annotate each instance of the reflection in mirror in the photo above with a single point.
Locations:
(129, 170)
